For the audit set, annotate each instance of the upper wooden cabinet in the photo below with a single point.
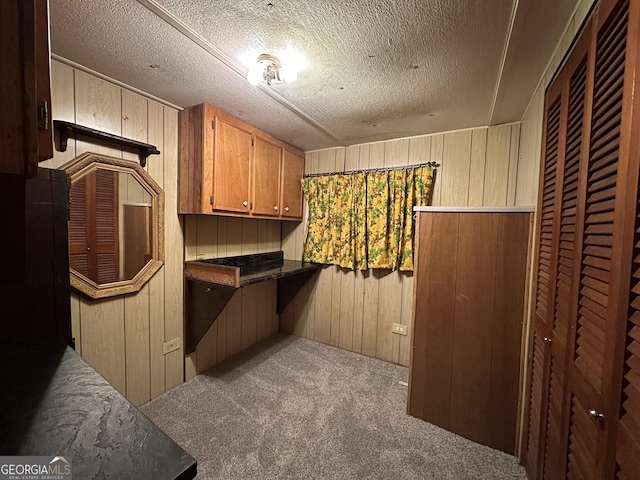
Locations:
(227, 167)
(292, 172)
(266, 176)
(231, 161)
(26, 92)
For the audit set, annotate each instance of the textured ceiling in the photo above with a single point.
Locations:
(377, 69)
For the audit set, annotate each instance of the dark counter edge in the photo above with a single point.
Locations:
(41, 379)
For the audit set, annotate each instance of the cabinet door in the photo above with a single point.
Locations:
(292, 171)
(266, 177)
(231, 162)
(43, 81)
(24, 54)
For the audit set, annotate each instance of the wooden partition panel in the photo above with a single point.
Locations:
(468, 313)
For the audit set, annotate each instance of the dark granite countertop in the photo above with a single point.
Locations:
(288, 267)
(53, 403)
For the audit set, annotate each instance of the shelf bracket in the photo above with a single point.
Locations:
(63, 130)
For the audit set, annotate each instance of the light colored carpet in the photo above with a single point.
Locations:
(290, 408)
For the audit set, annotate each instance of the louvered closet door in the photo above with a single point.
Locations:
(592, 339)
(573, 82)
(539, 348)
(627, 453)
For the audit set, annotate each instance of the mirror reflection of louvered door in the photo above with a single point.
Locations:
(93, 226)
(584, 365)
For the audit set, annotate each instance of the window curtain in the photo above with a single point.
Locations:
(364, 220)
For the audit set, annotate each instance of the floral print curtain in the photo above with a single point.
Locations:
(365, 220)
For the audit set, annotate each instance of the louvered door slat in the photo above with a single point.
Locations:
(603, 206)
(593, 240)
(596, 284)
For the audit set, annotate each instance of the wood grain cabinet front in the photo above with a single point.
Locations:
(26, 88)
(266, 177)
(229, 168)
(291, 191)
(231, 163)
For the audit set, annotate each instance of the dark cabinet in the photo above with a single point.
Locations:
(26, 92)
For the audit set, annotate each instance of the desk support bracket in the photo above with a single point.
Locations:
(204, 302)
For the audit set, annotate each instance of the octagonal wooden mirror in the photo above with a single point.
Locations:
(116, 217)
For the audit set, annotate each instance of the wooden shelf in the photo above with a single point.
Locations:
(63, 130)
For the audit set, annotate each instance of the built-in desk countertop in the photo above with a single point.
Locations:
(210, 284)
(54, 403)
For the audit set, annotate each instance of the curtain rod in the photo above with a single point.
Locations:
(367, 170)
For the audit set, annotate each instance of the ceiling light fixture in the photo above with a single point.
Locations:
(269, 69)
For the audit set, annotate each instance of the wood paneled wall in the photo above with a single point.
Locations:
(250, 315)
(355, 310)
(122, 337)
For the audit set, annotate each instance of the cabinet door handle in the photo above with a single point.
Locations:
(43, 114)
(245, 203)
(275, 208)
(286, 209)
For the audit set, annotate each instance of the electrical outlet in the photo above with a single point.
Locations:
(398, 328)
(170, 346)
